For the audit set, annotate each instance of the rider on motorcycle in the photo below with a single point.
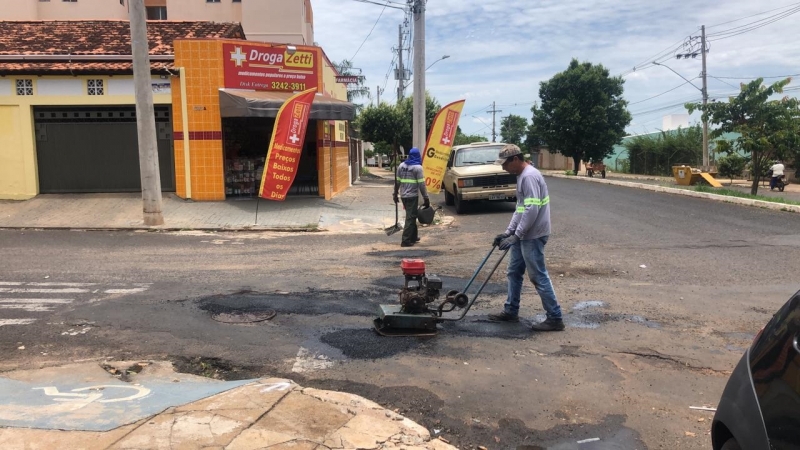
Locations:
(777, 174)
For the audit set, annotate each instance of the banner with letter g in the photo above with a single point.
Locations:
(439, 145)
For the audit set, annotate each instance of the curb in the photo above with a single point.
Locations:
(687, 193)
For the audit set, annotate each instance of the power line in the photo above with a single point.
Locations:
(753, 78)
(753, 15)
(370, 33)
(723, 81)
(665, 92)
(736, 31)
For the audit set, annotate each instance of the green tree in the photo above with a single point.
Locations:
(406, 111)
(462, 139)
(731, 165)
(655, 154)
(533, 140)
(770, 129)
(382, 125)
(357, 91)
(513, 128)
(582, 113)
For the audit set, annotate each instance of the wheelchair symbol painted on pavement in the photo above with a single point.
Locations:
(82, 398)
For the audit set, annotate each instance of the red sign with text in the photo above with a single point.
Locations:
(285, 146)
(267, 68)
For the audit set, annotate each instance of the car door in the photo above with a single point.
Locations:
(775, 367)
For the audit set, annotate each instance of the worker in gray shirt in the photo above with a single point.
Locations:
(526, 237)
(409, 184)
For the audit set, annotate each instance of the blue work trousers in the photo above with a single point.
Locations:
(528, 255)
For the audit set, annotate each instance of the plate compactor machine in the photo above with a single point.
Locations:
(417, 314)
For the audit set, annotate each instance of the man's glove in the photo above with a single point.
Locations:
(508, 242)
(394, 197)
(499, 238)
(426, 202)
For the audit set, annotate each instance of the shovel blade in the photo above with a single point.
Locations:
(393, 229)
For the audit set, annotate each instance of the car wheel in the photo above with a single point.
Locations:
(731, 444)
(448, 198)
(460, 204)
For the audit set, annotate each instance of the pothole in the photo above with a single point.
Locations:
(215, 368)
(241, 317)
(126, 373)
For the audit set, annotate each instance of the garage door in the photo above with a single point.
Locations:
(95, 149)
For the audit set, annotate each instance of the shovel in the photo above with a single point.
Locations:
(396, 227)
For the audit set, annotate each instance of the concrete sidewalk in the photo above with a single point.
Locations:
(366, 206)
(257, 414)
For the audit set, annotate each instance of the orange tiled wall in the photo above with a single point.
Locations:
(204, 75)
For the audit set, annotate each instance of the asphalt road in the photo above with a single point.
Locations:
(642, 344)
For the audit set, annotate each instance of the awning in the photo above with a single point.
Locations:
(239, 103)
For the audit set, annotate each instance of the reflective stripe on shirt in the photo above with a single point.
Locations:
(533, 202)
(410, 180)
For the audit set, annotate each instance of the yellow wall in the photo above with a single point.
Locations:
(17, 182)
(18, 171)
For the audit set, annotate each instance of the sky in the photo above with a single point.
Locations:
(500, 50)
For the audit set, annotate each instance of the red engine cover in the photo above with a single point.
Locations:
(413, 266)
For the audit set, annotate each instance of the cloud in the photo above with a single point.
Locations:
(500, 51)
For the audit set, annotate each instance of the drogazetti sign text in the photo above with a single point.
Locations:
(264, 68)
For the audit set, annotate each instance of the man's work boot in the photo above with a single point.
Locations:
(549, 325)
(406, 244)
(503, 317)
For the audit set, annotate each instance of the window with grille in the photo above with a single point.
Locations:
(25, 87)
(94, 87)
(212, 1)
(70, 1)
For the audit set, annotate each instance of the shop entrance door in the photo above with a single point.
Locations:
(96, 149)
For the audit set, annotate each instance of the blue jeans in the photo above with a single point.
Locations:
(529, 255)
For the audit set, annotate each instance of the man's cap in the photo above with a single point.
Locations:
(506, 152)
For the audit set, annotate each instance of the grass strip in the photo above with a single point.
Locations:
(735, 193)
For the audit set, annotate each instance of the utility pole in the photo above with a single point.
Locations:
(419, 135)
(378, 90)
(705, 98)
(401, 72)
(145, 117)
(494, 111)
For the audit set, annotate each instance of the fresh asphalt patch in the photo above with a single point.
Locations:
(311, 303)
(367, 344)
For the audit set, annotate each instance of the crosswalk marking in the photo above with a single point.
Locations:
(16, 321)
(29, 308)
(125, 291)
(35, 300)
(46, 296)
(43, 290)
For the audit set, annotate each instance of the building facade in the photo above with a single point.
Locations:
(277, 21)
(68, 116)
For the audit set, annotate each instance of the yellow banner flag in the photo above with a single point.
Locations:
(439, 145)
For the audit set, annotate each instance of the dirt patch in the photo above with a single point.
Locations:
(215, 368)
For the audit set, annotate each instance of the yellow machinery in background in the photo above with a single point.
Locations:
(687, 176)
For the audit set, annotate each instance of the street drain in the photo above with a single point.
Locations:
(240, 317)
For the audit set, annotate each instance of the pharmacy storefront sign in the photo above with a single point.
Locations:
(268, 67)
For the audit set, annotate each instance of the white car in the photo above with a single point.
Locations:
(472, 175)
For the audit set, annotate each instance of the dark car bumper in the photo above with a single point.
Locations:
(738, 413)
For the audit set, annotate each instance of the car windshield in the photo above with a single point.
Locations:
(477, 156)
